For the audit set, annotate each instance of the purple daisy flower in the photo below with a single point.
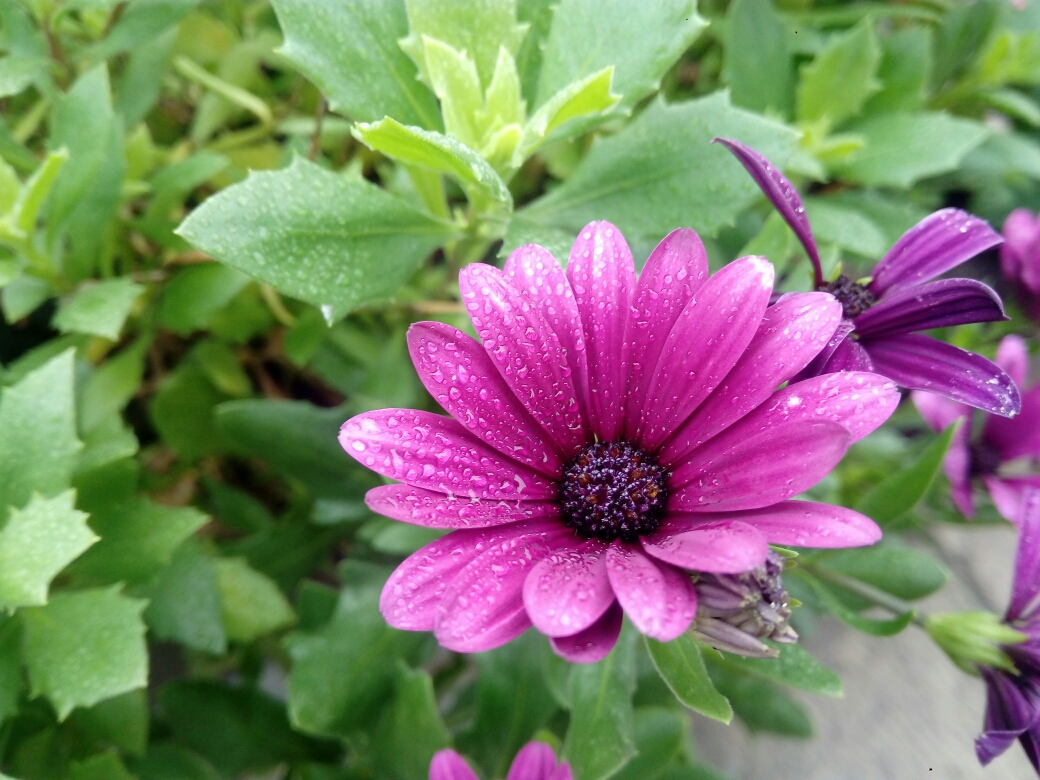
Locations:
(884, 311)
(1020, 257)
(535, 761)
(1013, 697)
(1004, 453)
(607, 436)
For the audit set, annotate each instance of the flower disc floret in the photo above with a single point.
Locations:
(855, 298)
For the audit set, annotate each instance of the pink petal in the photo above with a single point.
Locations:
(535, 761)
(800, 524)
(1020, 240)
(483, 607)
(792, 332)
(720, 547)
(568, 590)
(675, 270)
(939, 412)
(1020, 437)
(603, 278)
(705, 343)
(1007, 494)
(526, 352)
(449, 765)
(436, 510)
(1013, 357)
(591, 645)
(411, 595)
(818, 365)
(533, 271)
(658, 598)
(464, 381)
(563, 771)
(433, 452)
(731, 473)
(1026, 593)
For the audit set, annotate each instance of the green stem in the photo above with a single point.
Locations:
(236, 95)
(875, 596)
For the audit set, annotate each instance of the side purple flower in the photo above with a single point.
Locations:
(535, 761)
(884, 312)
(1020, 258)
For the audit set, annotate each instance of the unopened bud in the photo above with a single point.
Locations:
(971, 639)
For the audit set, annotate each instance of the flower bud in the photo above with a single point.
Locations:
(973, 638)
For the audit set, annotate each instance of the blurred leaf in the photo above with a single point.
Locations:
(36, 543)
(17, 73)
(899, 492)
(836, 223)
(182, 411)
(141, 83)
(10, 668)
(394, 538)
(84, 647)
(104, 766)
(330, 239)
(794, 667)
(681, 666)
(1015, 104)
(121, 721)
(169, 762)
(184, 602)
(222, 367)
(761, 705)
(839, 80)
(906, 62)
(328, 39)
(23, 295)
(195, 293)
(99, 309)
(108, 442)
(140, 23)
(963, 30)
(112, 385)
(22, 216)
(901, 571)
(1010, 58)
(836, 607)
(251, 604)
(659, 736)
(599, 737)
(759, 67)
(411, 729)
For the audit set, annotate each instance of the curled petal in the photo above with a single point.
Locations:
(569, 590)
(933, 305)
(718, 547)
(449, 765)
(658, 599)
(591, 645)
(437, 510)
(799, 524)
(1025, 598)
(933, 246)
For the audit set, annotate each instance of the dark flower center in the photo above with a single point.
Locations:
(854, 298)
(984, 459)
(613, 490)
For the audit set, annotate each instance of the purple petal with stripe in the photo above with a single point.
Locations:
(569, 589)
(533, 271)
(933, 305)
(429, 451)
(792, 332)
(449, 765)
(923, 363)
(705, 343)
(675, 270)
(1025, 597)
(462, 378)
(603, 278)
(818, 365)
(526, 352)
(658, 599)
(933, 246)
(436, 510)
(731, 472)
(535, 761)
(720, 547)
(1009, 713)
(593, 644)
(1013, 357)
(781, 194)
(849, 355)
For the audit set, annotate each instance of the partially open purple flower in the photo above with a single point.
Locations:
(535, 761)
(1013, 698)
(883, 312)
(1005, 454)
(609, 435)
(1020, 257)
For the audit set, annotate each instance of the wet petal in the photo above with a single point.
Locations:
(799, 524)
(818, 365)
(449, 765)
(705, 343)
(793, 331)
(526, 352)
(923, 363)
(1013, 357)
(1025, 597)
(658, 598)
(675, 270)
(849, 355)
(933, 305)
(464, 381)
(731, 473)
(569, 590)
(719, 547)
(436, 510)
(591, 645)
(603, 278)
(430, 451)
(1019, 437)
(933, 246)
(483, 607)
(538, 276)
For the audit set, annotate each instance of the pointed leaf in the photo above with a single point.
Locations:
(99, 309)
(591, 95)
(794, 667)
(836, 607)
(759, 64)
(838, 82)
(251, 603)
(681, 666)
(411, 729)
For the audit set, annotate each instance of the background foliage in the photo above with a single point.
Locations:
(188, 574)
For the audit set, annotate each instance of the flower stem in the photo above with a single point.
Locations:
(874, 595)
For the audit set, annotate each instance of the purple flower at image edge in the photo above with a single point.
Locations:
(1020, 258)
(609, 435)
(535, 761)
(1003, 452)
(884, 311)
(1013, 699)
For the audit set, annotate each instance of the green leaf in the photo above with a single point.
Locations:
(104, 766)
(121, 721)
(196, 293)
(1015, 104)
(900, 491)
(589, 35)
(99, 309)
(343, 673)
(902, 148)
(759, 67)
(659, 736)
(23, 295)
(84, 647)
(223, 368)
(139, 24)
(38, 442)
(589, 96)
(333, 240)
(251, 603)
(411, 729)
(327, 39)
(632, 178)
(112, 385)
(184, 602)
(36, 543)
(839, 80)
(169, 762)
(10, 187)
(10, 668)
(599, 737)
(906, 62)
(436, 152)
(182, 411)
(538, 16)
(22, 216)
(901, 571)
(762, 706)
(18, 72)
(961, 34)
(681, 666)
(836, 607)
(454, 78)
(794, 667)
(836, 223)
(141, 83)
